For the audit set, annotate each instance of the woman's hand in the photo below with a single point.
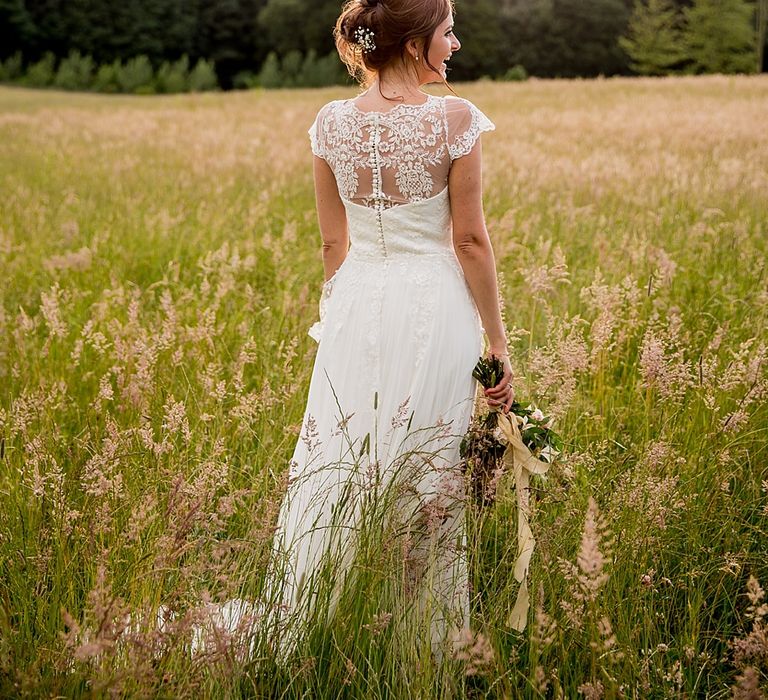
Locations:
(503, 394)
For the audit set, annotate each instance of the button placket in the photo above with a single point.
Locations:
(374, 335)
(378, 192)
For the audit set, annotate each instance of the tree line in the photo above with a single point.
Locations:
(170, 45)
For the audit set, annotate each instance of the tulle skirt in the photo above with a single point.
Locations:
(390, 397)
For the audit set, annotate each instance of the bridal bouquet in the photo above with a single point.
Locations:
(520, 442)
(490, 437)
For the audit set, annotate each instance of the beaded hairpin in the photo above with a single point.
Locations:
(364, 39)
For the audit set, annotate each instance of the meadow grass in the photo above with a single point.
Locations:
(161, 268)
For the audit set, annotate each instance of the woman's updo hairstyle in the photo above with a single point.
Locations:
(393, 23)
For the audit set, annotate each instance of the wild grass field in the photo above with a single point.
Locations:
(160, 269)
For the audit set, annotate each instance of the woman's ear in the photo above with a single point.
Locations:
(413, 49)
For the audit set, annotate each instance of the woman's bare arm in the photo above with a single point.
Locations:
(472, 243)
(331, 216)
(475, 253)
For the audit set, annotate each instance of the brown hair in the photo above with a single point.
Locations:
(394, 23)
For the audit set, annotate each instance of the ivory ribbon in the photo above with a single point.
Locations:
(519, 459)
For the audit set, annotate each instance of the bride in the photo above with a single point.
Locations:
(410, 289)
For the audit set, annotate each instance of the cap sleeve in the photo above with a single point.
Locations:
(316, 134)
(464, 123)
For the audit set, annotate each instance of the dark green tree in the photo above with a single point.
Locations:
(270, 75)
(566, 38)
(720, 36)
(589, 31)
(477, 28)
(159, 29)
(319, 23)
(528, 26)
(179, 20)
(761, 22)
(50, 29)
(299, 25)
(17, 29)
(653, 40)
(75, 72)
(549, 38)
(228, 33)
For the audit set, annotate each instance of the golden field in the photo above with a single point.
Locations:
(161, 268)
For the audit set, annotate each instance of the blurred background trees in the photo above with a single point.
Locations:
(177, 45)
(719, 36)
(654, 39)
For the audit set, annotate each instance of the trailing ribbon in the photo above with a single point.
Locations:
(518, 458)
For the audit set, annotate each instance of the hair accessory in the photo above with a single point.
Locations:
(364, 39)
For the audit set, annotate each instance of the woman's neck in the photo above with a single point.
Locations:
(395, 88)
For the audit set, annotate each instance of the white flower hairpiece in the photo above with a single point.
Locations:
(364, 39)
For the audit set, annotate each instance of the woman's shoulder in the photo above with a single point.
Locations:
(329, 107)
(461, 106)
(463, 113)
(465, 123)
(456, 102)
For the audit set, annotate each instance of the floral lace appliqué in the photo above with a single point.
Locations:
(383, 159)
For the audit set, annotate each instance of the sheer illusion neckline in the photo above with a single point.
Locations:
(401, 106)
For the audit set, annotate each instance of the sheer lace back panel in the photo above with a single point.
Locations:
(385, 159)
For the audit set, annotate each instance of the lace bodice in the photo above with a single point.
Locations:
(385, 159)
(392, 170)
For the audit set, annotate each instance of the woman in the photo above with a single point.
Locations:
(398, 175)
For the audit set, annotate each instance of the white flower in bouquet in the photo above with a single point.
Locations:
(538, 414)
(549, 453)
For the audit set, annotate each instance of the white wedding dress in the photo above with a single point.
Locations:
(398, 337)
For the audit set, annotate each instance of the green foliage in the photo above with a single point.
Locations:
(203, 77)
(136, 75)
(75, 72)
(720, 37)
(528, 24)
(173, 77)
(229, 35)
(78, 72)
(10, 69)
(17, 30)
(106, 77)
(319, 71)
(270, 75)
(280, 19)
(761, 21)
(291, 68)
(564, 38)
(295, 70)
(244, 80)
(653, 41)
(299, 25)
(515, 74)
(41, 74)
(480, 33)
(551, 38)
(587, 33)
